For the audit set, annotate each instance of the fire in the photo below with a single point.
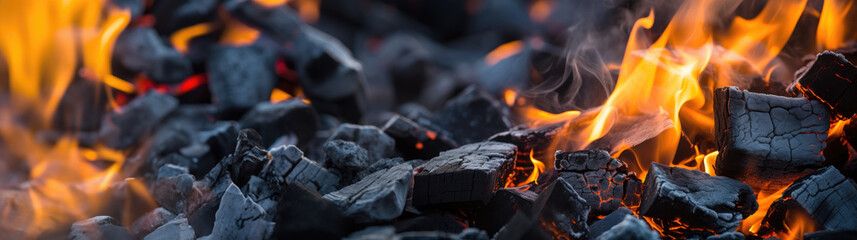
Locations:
(533, 116)
(181, 38)
(540, 10)
(504, 51)
(538, 168)
(835, 24)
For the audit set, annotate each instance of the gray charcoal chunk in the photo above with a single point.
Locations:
(302, 213)
(150, 221)
(469, 174)
(727, 236)
(347, 157)
(381, 196)
(604, 182)
(379, 165)
(631, 227)
(826, 195)
(416, 141)
(288, 165)
(376, 142)
(140, 49)
(98, 228)
(767, 141)
(601, 226)
(125, 126)
(238, 217)
(240, 77)
(171, 192)
(177, 229)
(274, 120)
(170, 170)
(690, 203)
(472, 116)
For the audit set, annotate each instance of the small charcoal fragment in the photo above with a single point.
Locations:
(376, 142)
(273, 120)
(171, 192)
(126, 125)
(601, 226)
(415, 141)
(830, 78)
(288, 165)
(347, 157)
(239, 217)
(687, 203)
(177, 229)
(565, 212)
(239, 78)
(604, 182)
(767, 141)
(98, 228)
(469, 174)
(828, 197)
(631, 227)
(149, 222)
(472, 116)
(302, 213)
(248, 159)
(140, 49)
(380, 196)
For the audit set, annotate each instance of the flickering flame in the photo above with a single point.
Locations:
(308, 10)
(540, 10)
(797, 224)
(504, 51)
(182, 37)
(751, 224)
(236, 33)
(538, 168)
(510, 96)
(836, 24)
(278, 95)
(533, 116)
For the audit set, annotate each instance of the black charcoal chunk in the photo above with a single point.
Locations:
(630, 227)
(347, 157)
(767, 141)
(140, 49)
(376, 142)
(601, 226)
(170, 170)
(288, 165)
(828, 197)
(381, 196)
(149, 222)
(302, 213)
(219, 141)
(239, 78)
(281, 22)
(273, 120)
(415, 141)
(380, 165)
(830, 78)
(389, 232)
(248, 159)
(727, 236)
(472, 116)
(238, 217)
(689, 203)
(126, 125)
(263, 193)
(529, 139)
(174, 15)
(469, 174)
(177, 229)
(503, 206)
(98, 228)
(565, 212)
(604, 182)
(171, 192)
(432, 221)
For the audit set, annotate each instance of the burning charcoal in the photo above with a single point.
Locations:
(767, 141)
(149, 222)
(604, 182)
(170, 170)
(529, 139)
(601, 226)
(830, 78)
(281, 22)
(289, 166)
(416, 141)
(520, 226)
(139, 49)
(303, 214)
(96, 228)
(176, 14)
(347, 157)
(631, 227)
(124, 126)
(686, 203)
(378, 197)
(828, 198)
(239, 217)
(565, 212)
(176, 229)
(171, 192)
(239, 78)
(274, 120)
(472, 116)
(469, 174)
(249, 157)
(379, 144)
(503, 206)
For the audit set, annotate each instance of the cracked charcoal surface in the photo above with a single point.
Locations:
(830, 78)
(503, 206)
(416, 141)
(467, 174)
(140, 49)
(381, 196)
(273, 120)
(767, 141)
(599, 227)
(565, 211)
(379, 144)
(238, 217)
(829, 197)
(691, 203)
(529, 139)
(288, 165)
(604, 182)
(346, 157)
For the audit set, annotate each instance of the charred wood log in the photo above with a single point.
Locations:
(380, 196)
(469, 174)
(273, 120)
(415, 141)
(604, 182)
(830, 79)
(537, 139)
(689, 203)
(767, 141)
(828, 197)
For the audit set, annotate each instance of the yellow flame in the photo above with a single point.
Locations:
(503, 51)
(182, 37)
(836, 24)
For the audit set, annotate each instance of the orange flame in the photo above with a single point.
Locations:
(182, 37)
(504, 51)
(836, 24)
(540, 10)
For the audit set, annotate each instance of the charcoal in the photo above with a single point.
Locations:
(389, 232)
(174, 161)
(565, 212)
(469, 174)
(171, 192)
(274, 120)
(687, 203)
(431, 221)
(520, 226)
(149, 222)
(630, 227)
(346, 157)
(263, 193)
(289, 166)
(379, 165)
(126, 125)
(601, 226)
(830, 79)
(727, 236)
(239, 217)
(239, 78)
(177, 14)
(281, 22)
(376, 142)
(828, 197)
(302, 213)
(176, 229)
(472, 116)
(249, 158)
(831, 235)
(170, 170)
(134, 7)
(503, 206)
(99, 227)
(767, 141)
(415, 141)
(140, 49)
(604, 182)
(219, 140)
(529, 139)
(378, 197)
